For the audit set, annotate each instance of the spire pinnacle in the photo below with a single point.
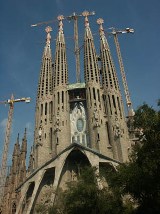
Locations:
(47, 50)
(100, 21)
(25, 134)
(48, 29)
(18, 139)
(60, 18)
(16, 147)
(24, 142)
(86, 14)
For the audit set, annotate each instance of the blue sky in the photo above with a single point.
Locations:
(21, 49)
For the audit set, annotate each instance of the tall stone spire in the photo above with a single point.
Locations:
(15, 165)
(109, 76)
(90, 57)
(44, 107)
(61, 128)
(16, 147)
(116, 124)
(15, 157)
(60, 63)
(96, 122)
(24, 142)
(45, 82)
(22, 160)
(30, 165)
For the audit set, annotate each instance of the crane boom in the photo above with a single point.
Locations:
(3, 168)
(124, 80)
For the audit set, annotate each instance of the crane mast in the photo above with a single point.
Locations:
(5, 149)
(124, 80)
(3, 169)
(76, 48)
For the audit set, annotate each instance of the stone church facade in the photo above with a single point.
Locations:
(76, 125)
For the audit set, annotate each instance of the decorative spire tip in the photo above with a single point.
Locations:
(48, 29)
(60, 17)
(100, 21)
(25, 133)
(85, 13)
(18, 138)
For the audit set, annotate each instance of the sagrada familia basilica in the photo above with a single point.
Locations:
(76, 125)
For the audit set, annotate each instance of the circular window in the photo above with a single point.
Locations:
(80, 124)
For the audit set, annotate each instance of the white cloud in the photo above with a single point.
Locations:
(30, 133)
(28, 125)
(29, 129)
(3, 124)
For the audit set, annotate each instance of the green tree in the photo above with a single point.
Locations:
(140, 178)
(85, 196)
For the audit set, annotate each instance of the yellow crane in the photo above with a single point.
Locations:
(3, 168)
(124, 80)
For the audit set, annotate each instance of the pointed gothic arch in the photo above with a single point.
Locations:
(14, 207)
(45, 190)
(75, 161)
(28, 197)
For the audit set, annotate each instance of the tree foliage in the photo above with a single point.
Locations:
(140, 178)
(85, 196)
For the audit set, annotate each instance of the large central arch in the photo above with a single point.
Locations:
(75, 161)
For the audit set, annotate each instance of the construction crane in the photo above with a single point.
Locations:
(124, 80)
(73, 17)
(3, 168)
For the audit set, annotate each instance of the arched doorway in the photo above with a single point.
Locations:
(13, 207)
(74, 163)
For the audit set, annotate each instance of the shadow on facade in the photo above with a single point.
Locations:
(74, 163)
(104, 170)
(45, 191)
(28, 197)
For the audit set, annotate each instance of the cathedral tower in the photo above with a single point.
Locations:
(22, 159)
(117, 129)
(44, 108)
(15, 162)
(61, 124)
(98, 133)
